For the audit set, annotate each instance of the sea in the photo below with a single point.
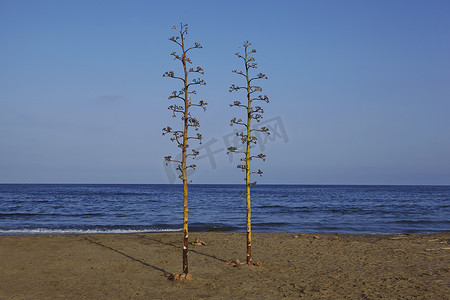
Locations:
(131, 208)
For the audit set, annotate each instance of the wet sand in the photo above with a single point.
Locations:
(313, 266)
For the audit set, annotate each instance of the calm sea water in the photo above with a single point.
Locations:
(37, 208)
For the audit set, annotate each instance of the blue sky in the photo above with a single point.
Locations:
(362, 89)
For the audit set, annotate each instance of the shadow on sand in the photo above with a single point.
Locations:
(179, 247)
(128, 256)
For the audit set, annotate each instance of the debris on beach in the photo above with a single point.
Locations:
(399, 237)
(178, 277)
(235, 263)
(296, 236)
(187, 276)
(198, 242)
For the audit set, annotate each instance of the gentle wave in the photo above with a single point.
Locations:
(81, 231)
(9, 215)
(417, 222)
(212, 227)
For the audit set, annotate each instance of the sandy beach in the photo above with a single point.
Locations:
(309, 266)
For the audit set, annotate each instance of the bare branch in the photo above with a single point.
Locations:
(192, 122)
(201, 104)
(259, 172)
(254, 89)
(262, 98)
(239, 72)
(176, 138)
(175, 40)
(194, 153)
(176, 109)
(235, 88)
(259, 76)
(239, 55)
(237, 121)
(177, 94)
(243, 167)
(252, 65)
(169, 159)
(256, 109)
(256, 117)
(197, 137)
(252, 139)
(198, 70)
(262, 129)
(196, 45)
(260, 156)
(238, 104)
(234, 150)
(197, 81)
(171, 74)
(176, 56)
(167, 130)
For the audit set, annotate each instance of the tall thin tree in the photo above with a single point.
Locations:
(182, 136)
(253, 112)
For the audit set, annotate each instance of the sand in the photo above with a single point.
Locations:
(314, 266)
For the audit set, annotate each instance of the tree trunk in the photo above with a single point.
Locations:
(183, 165)
(247, 169)
(185, 226)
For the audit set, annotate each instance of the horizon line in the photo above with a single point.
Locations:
(304, 184)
